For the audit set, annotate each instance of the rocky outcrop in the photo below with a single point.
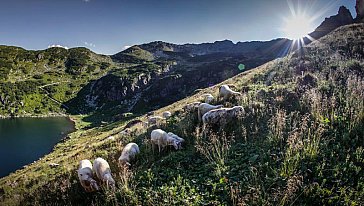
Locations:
(359, 10)
(343, 17)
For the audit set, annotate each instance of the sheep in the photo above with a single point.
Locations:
(225, 92)
(204, 107)
(128, 154)
(191, 106)
(166, 114)
(163, 139)
(221, 116)
(208, 98)
(103, 172)
(153, 120)
(85, 175)
(181, 140)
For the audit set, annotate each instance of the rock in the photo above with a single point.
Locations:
(111, 138)
(53, 165)
(359, 7)
(343, 17)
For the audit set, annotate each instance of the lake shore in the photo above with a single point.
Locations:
(34, 116)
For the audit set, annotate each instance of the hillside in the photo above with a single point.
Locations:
(60, 81)
(39, 82)
(299, 142)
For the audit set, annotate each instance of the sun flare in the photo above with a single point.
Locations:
(297, 27)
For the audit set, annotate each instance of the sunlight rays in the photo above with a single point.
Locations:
(300, 23)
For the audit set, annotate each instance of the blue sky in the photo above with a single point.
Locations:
(107, 26)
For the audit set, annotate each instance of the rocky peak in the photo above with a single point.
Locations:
(343, 17)
(359, 10)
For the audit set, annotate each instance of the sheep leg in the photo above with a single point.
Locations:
(199, 115)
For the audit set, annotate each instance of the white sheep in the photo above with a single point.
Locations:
(208, 98)
(103, 172)
(154, 120)
(85, 175)
(191, 106)
(128, 154)
(179, 139)
(166, 114)
(204, 107)
(163, 139)
(221, 116)
(225, 92)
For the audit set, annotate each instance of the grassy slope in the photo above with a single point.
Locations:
(300, 141)
(32, 82)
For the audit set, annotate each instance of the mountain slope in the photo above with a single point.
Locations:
(32, 82)
(300, 141)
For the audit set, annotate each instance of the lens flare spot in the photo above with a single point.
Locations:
(241, 67)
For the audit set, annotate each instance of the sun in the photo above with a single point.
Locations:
(297, 27)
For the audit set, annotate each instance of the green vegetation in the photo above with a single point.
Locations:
(40, 82)
(299, 142)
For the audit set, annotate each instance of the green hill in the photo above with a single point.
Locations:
(299, 142)
(39, 82)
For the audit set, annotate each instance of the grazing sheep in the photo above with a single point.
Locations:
(208, 98)
(154, 120)
(221, 116)
(103, 172)
(225, 92)
(166, 114)
(85, 176)
(181, 140)
(163, 139)
(128, 154)
(204, 107)
(191, 106)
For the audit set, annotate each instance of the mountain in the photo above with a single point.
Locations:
(299, 141)
(343, 17)
(39, 82)
(178, 71)
(359, 10)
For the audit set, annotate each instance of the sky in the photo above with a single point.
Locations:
(109, 26)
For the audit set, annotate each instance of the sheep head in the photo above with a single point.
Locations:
(94, 184)
(110, 182)
(238, 110)
(124, 162)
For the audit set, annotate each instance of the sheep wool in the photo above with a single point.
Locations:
(128, 154)
(85, 175)
(103, 172)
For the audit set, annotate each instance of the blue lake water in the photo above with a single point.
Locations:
(24, 140)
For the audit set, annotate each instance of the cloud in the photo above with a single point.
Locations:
(126, 47)
(57, 45)
(89, 44)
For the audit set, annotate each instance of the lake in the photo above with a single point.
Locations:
(24, 140)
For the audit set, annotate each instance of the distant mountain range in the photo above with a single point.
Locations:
(138, 79)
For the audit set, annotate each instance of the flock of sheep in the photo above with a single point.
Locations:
(207, 113)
